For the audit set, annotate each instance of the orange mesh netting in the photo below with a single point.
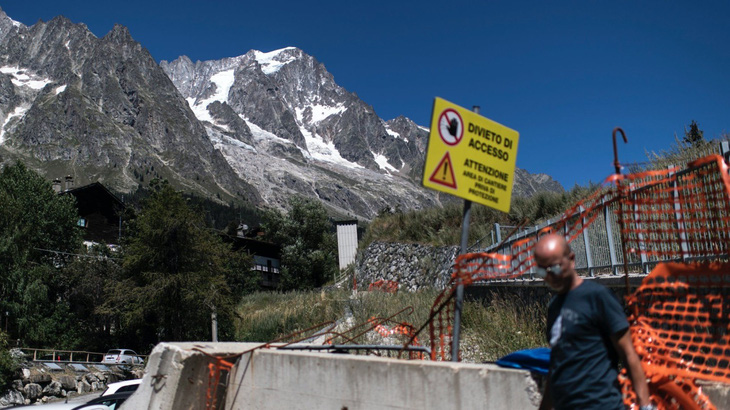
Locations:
(680, 319)
(215, 369)
(676, 393)
(383, 285)
(673, 214)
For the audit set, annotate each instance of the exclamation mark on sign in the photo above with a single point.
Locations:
(444, 173)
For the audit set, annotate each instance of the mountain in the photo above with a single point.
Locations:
(283, 123)
(102, 109)
(258, 127)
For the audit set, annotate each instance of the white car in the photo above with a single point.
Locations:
(120, 387)
(122, 356)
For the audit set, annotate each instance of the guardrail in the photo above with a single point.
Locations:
(58, 355)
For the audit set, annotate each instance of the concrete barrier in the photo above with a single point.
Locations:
(177, 377)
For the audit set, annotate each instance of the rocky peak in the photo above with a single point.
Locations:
(119, 34)
(8, 25)
(104, 108)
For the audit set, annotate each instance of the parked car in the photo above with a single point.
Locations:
(124, 356)
(63, 406)
(121, 387)
(109, 402)
(112, 401)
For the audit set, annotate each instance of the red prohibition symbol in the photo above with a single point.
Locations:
(451, 126)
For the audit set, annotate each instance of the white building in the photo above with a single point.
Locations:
(346, 242)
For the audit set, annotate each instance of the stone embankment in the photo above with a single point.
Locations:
(41, 383)
(413, 266)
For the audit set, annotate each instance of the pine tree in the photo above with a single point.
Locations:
(175, 272)
(309, 249)
(38, 231)
(694, 136)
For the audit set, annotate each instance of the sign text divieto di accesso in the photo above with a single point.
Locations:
(470, 156)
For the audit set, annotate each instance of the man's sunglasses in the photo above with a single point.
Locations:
(542, 272)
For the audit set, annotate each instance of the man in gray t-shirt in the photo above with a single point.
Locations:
(588, 334)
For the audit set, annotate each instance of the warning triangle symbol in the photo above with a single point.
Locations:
(444, 173)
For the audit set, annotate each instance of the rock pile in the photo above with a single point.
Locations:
(40, 384)
(412, 265)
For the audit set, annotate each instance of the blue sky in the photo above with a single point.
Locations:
(562, 73)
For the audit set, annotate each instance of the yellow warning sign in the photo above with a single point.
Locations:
(444, 173)
(470, 156)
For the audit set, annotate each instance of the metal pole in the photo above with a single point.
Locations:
(621, 223)
(120, 224)
(586, 243)
(609, 235)
(460, 288)
(214, 325)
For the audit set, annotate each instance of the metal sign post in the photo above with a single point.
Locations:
(471, 157)
(460, 288)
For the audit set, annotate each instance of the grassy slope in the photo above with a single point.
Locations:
(489, 331)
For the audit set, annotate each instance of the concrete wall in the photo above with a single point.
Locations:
(177, 378)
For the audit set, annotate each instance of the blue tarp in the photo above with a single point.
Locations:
(536, 360)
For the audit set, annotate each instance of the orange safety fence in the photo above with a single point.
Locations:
(216, 369)
(670, 214)
(681, 313)
(680, 326)
(219, 369)
(388, 286)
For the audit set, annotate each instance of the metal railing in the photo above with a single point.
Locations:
(67, 356)
(600, 247)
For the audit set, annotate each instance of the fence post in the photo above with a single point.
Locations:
(640, 239)
(609, 235)
(725, 150)
(499, 233)
(586, 241)
(683, 246)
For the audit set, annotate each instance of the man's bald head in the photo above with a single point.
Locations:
(553, 255)
(551, 245)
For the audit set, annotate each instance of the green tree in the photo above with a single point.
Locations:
(8, 365)
(175, 273)
(91, 280)
(308, 255)
(38, 231)
(694, 135)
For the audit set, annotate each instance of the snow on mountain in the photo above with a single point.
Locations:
(25, 83)
(393, 133)
(308, 135)
(272, 61)
(19, 112)
(323, 151)
(22, 79)
(222, 83)
(383, 163)
(317, 113)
